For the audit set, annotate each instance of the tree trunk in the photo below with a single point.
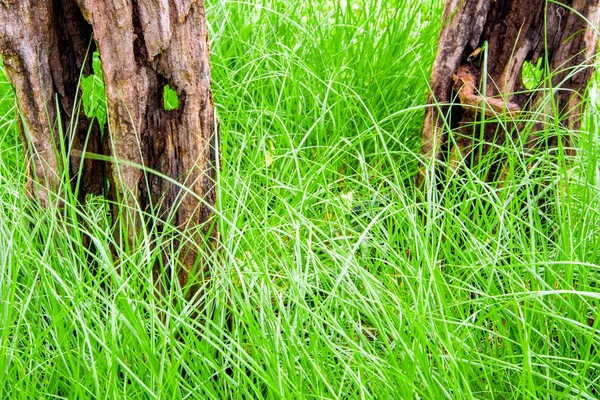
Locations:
(514, 31)
(43, 46)
(144, 45)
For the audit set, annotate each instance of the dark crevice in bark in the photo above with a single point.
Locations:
(139, 44)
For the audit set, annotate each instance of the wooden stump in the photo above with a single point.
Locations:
(513, 32)
(144, 46)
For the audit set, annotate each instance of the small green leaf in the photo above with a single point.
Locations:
(94, 98)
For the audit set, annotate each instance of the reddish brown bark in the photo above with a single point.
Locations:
(515, 31)
(144, 45)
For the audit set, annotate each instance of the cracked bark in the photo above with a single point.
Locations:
(515, 31)
(144, 45)
(43, 46)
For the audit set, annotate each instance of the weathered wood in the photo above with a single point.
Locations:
(43, 46)
(515, 31)
(144, 45)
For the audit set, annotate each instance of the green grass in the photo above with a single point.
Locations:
(471, 291)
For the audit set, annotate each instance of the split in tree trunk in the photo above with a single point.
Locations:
(144, 46)
(510, 32)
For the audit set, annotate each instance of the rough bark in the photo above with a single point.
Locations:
(43, 46)
(144, 45)
(515, 31)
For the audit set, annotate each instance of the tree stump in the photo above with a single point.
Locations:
(144, 46)
(44, 46)
(509, 33)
